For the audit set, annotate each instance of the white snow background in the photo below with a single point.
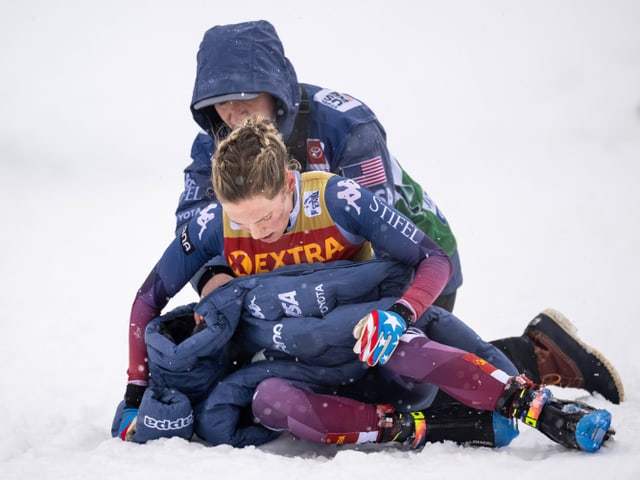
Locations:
(522, 119)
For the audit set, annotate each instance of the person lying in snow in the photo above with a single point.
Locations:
(309, 381)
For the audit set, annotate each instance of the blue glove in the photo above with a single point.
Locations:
(378, 334)
(128, 424)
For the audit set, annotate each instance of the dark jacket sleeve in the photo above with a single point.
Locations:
(198, 190)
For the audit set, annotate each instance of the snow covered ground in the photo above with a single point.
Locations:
(521, 118)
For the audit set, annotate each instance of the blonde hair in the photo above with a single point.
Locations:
(252, 160)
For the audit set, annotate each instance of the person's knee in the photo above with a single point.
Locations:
(270, 402)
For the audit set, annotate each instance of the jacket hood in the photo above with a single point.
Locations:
(244, 58)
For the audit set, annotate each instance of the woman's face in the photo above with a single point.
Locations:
(234, 112)
(263, 218)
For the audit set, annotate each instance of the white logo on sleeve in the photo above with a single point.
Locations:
(205, 217)
(255, 309)
(350, 193)
(338, 101)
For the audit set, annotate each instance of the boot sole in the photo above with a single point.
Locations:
(592, 429)
(571, 330)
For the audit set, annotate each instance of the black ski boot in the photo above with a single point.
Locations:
(575, 424)
(571, 424)
(465, 425)
(453, 422)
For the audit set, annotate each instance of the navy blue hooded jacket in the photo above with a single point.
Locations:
(343, 136)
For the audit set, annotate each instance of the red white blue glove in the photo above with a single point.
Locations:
(128, 424)
(378, 335)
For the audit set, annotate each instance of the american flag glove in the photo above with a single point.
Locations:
(377, 336)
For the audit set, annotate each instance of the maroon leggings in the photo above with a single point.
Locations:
(284, 405)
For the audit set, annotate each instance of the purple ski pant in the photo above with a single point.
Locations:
(284, 405)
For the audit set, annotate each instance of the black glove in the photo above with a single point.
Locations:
(132, 399)
(133, 395)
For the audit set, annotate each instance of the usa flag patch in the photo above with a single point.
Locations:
(368, 173)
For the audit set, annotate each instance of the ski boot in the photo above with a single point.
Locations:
(575, 424)
(571, 424)
(406, 428)
(465, 425)
(452, 422)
